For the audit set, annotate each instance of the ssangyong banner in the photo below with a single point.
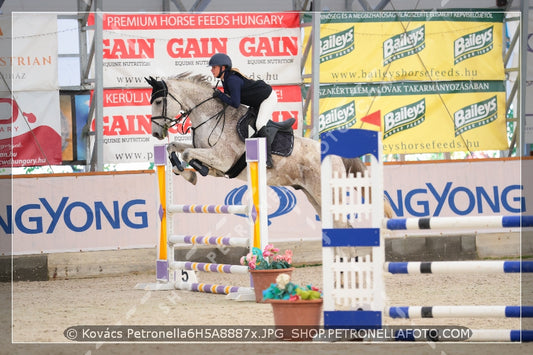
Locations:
(421, 117)
(56, 214)
(262, 45)
(127, 126)
(459, 188)
(420, 46)
(31, 134)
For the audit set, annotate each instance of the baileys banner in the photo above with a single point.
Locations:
(419, 46)
(421, 117)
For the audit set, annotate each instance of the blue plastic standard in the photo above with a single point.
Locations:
(521, 335)
(399, 312)
(397, 224)
(398, 267)
(356, 237)
(518, 312)
(353, 319)
(517, 266)
(517, 221)
(349, 143)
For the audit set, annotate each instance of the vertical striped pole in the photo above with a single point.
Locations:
(162, 260)
(256, 159)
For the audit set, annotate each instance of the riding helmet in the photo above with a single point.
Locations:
(220, 59)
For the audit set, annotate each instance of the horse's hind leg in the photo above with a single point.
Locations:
(316, 205)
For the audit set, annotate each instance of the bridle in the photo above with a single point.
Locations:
(168, 122)
(171, 122)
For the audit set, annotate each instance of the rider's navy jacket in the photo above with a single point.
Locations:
(242, 90)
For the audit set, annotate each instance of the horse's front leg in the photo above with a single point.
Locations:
(179, 148)
(210, 157)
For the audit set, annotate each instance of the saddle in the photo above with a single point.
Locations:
(283, 142)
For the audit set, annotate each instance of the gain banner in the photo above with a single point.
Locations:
(127, 126)
(262, 45)
(421, 117)
(420, 46)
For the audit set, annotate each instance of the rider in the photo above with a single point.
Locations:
(238, 89)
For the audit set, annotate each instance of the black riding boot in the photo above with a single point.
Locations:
(270, 133)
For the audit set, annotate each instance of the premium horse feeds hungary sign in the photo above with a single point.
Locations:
(262, 45)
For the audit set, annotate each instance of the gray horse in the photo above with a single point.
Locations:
(217, 146)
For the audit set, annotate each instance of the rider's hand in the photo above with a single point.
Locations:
(217, 93)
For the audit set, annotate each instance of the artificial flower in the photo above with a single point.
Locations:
(267, 259)
(284, 289)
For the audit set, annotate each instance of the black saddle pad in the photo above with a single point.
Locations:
(283, 143)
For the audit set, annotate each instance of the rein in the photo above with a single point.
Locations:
(171, 122)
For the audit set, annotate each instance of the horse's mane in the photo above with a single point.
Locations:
(197, 78)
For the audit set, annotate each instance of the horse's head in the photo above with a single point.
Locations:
(176, 101)
(162, 110)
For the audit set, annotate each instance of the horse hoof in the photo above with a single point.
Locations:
(175, 170)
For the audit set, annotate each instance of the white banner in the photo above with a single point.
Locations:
(455, 189)
(262, 45)
(127, 125)
(81, 213)
(5, 50)
(529, 47)
(34, 56)
(57, 214)
(528, 129)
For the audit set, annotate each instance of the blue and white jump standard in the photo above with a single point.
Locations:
(353, 258)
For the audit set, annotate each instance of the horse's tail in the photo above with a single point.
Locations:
(355, 165)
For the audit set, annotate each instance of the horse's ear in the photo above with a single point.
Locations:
(151, 81)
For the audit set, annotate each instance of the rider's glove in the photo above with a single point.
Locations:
(217, 93)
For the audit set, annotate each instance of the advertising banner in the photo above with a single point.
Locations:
(34, 52)
(127, 126)
(30, 128)
(529, 47)
(421, 117)
(417, 46)
(262, 45)
(31, 136)
(528, 128)
(6, 67)
(58, 215)
(462, 188)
